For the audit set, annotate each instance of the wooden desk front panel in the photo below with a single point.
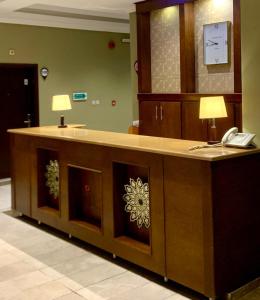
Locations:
(29, 198)
(21, 173)
(188, 222)
(212, 223)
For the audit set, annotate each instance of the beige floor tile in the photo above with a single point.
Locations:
(48, 291)
(53, 274)
(98, 273)
(15, 270)
(8, 259)
(72, 285)
(87, 294)
(30, 280)
(118, 284)
(150, 291)
(45, 247)
(61, 255)
(13, 237)
(177, 297)
(84, 262)
(38, 265)
(71, 296)
(8, 290)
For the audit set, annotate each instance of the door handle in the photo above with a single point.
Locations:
(28, 121)
(161, 112)
(156, 112)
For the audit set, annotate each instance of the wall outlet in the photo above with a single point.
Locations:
(95, 102)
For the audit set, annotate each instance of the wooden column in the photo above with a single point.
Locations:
(144, 52)
(237, 46)
(187, 48)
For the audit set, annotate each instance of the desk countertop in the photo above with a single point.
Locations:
(164, 146)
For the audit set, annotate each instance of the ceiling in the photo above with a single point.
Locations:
(101, 15)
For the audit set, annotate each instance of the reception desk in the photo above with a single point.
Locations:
(190, 216)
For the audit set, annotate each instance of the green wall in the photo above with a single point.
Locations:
(250, 24)
(77, 60)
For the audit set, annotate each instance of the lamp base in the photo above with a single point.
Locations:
(62, 125)
(213, 142)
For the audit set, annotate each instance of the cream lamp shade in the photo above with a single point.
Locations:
(61, 102)
(212, 107)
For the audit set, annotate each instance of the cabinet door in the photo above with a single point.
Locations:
(149, 118)
(192, 127)
(170, 118)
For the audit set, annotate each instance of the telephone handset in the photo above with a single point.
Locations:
(233, 138)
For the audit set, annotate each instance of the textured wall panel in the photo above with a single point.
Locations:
(165, 50)
(214, 78)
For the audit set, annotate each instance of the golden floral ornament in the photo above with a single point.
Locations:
(52, 176)
(137, 202)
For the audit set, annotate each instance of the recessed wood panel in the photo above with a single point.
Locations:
(85, 195)
(46, 195)
(122, 174)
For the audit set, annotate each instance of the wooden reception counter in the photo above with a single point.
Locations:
(191, 216)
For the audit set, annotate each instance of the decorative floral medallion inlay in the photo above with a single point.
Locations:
(137, 202)
(52, 176)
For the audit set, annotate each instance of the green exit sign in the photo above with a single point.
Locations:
(80, 96)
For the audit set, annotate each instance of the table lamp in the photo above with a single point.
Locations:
(61, 102)
(212, 108)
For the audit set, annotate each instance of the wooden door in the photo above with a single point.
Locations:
(18, 98)
(149, 118)
(170, 118)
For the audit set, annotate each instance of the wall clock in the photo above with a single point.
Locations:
(216, 43)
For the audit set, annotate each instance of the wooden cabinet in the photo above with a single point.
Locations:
(159, 118)
(196, 129)
(178, 116)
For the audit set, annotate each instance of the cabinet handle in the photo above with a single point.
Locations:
(161, 110)
(156, 112)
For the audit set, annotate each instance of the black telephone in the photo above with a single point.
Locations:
(233, 138)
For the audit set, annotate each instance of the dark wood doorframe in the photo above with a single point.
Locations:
(19, 99)
(34, 69)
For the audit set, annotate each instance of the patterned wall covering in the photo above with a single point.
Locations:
(214, 78)
(165, 50)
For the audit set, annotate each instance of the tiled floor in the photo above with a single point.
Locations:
(38, 263)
